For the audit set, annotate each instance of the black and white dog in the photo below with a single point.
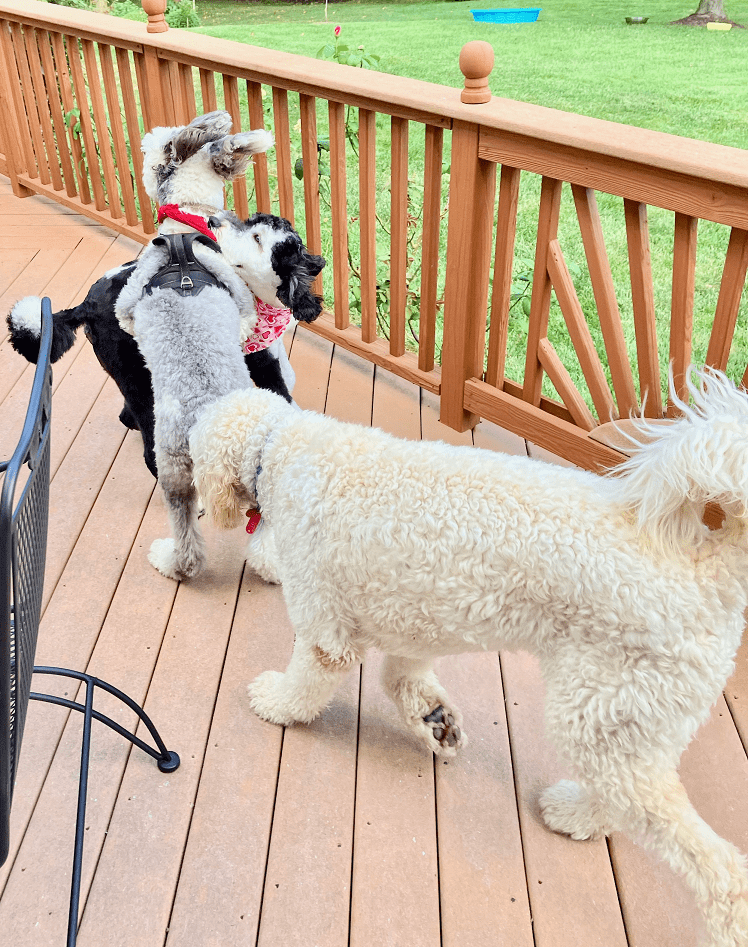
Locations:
(196, 159)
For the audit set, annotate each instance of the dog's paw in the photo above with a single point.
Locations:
(566, 809)
(446, 736)
(163, 557)
(266, 698)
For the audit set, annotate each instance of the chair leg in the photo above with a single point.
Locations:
(167, 761)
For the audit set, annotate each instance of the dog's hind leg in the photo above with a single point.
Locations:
(666, 822)
(183, 555)
(424, 704)
(655, 810)
(304, 690)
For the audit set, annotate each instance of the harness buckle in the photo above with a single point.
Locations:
(186, 283)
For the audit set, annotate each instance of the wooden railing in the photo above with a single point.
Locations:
(78, 90)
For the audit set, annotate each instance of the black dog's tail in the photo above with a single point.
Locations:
(24, 323)
(24, 320)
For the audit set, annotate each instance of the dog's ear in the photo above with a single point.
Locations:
(215, 124)
(304, 305)
(296, 294)
(231, 155)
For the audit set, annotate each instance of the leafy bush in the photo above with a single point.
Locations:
(181, 14)
(128, 10)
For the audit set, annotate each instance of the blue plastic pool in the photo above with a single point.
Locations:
(524, 15)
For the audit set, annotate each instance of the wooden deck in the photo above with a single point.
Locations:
(342, 832)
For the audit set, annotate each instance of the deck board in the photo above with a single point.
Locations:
(344, 832)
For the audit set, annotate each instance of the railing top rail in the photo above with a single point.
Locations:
(411, 98)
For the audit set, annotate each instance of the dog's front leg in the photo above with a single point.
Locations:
(303, 691)
(183, 555)
(261, 554)
(424, 704)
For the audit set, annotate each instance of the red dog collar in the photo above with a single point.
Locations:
(173, 212)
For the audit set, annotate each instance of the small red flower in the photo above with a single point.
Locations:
(337, 31)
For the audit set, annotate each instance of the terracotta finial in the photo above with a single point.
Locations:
(476, 63)
(155, 10)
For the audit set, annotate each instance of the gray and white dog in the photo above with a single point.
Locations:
(190, 345)
(185, 305)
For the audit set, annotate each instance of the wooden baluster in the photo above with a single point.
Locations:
(283, 153)
(38, 165)
(41, 98)
(11, 129)
(564, 385)
(58, 120)
(68, 104)
(642, 298)
(188, 91)
(471, 205)
(308, 109)
(540, 304)
(174, 73)
(367, 188)
(91, 161)
(26, 149)
(728, 303)
(257, 120)
(208, 90)
(231, 98)
(579, 332)
(155, 10)
(501, 296)
(167, 80)
(118, 134)
(133, 132)
(398, 233)
(432, 205)
(681, 316)
(152, 105)
(101, 128)
(338, 194)
(605, 297)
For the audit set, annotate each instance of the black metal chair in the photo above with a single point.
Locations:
(23, 543)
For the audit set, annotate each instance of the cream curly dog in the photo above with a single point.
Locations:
(634, 609)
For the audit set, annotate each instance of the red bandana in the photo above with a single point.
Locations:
(192, 220)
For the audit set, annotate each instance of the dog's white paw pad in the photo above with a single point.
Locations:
(443, 727)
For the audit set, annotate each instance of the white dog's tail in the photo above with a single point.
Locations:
(701, 457)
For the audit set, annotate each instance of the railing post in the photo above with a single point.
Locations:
(472, 189)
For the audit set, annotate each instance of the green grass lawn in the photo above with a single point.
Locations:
(579, 57)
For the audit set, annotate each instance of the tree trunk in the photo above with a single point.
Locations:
(712, 8)
(709, 11)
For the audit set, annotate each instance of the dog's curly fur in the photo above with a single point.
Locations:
(634, 609)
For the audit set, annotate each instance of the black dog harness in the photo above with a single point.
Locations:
(183, 273)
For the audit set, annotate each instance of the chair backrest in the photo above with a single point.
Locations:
(24, 510)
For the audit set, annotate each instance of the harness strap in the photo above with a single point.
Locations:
(182, 272)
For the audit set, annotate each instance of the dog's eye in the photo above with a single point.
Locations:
(257, 239)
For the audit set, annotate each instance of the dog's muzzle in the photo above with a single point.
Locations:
(183, 273)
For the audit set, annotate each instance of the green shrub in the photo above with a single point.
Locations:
(128, 10)
(181, 14)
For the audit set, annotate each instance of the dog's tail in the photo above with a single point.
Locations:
(701, 457)
(25, 325)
